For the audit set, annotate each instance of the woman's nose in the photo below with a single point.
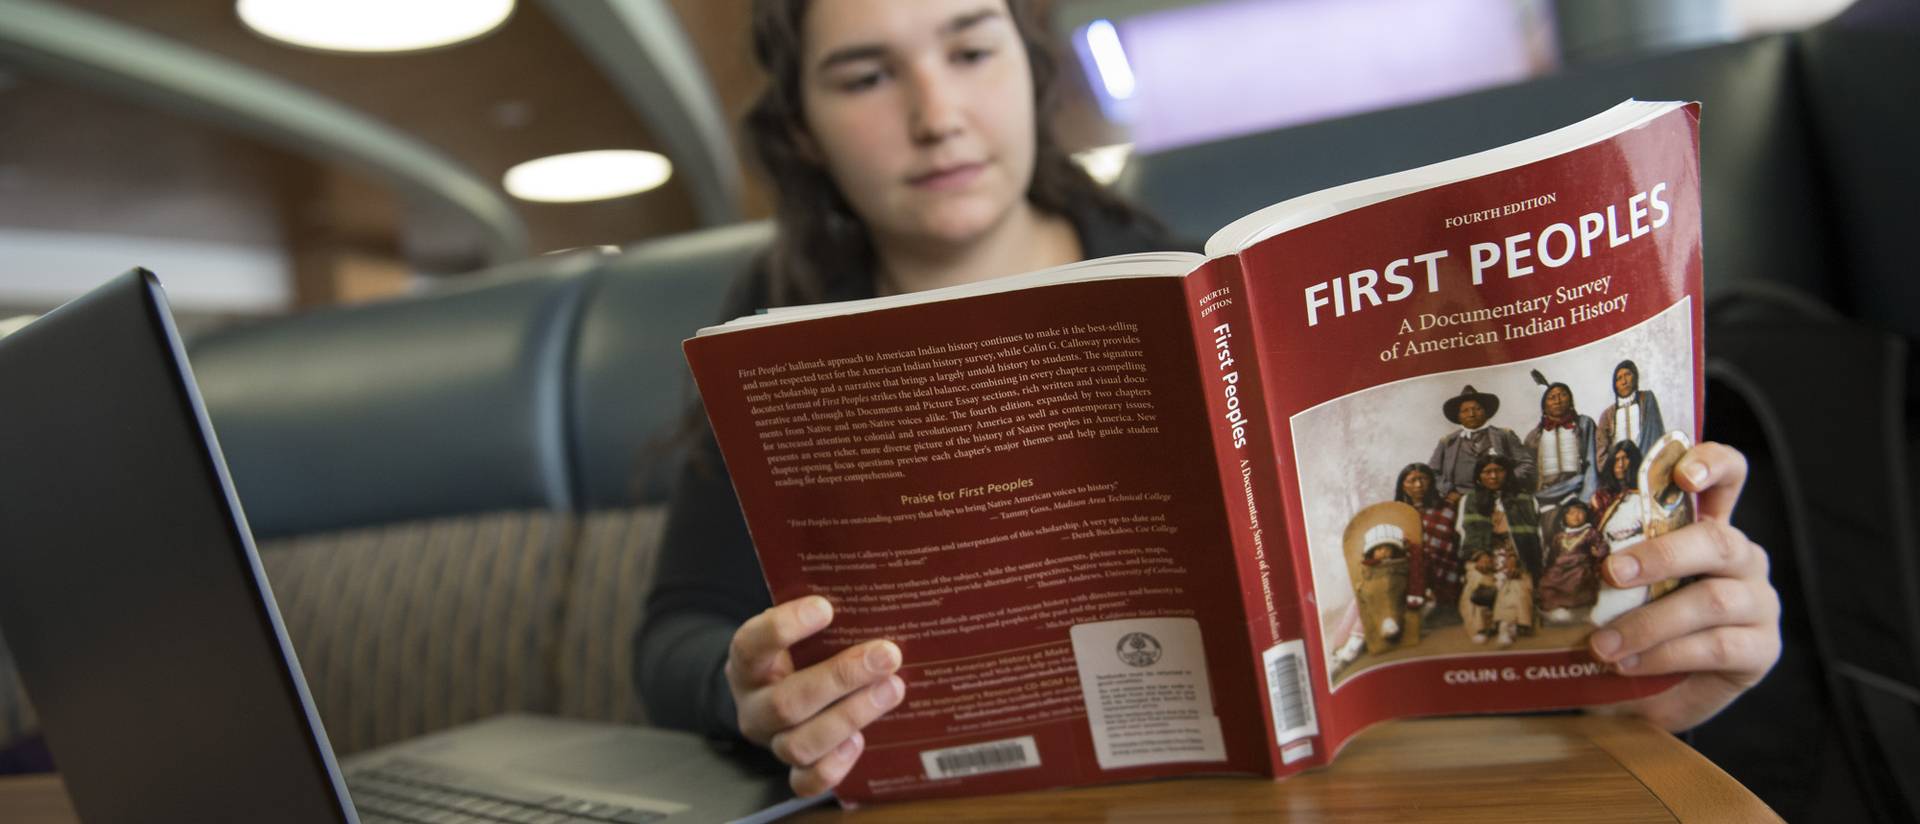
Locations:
(936, 106)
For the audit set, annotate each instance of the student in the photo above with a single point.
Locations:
(908, 150)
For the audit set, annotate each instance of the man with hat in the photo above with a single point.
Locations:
(1455, 457)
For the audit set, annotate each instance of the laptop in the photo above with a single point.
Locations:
(132, 596)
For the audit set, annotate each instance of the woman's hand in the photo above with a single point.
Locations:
(810, 719)
(1722, 630)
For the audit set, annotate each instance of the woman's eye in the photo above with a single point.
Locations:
(861, 82)
(971, 56)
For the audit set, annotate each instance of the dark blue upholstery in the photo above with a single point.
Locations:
(449, 404)
(630, 389)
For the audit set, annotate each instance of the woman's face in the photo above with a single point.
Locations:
(1493, 476)
(1415, 485)
(922, 113)
(1622, 465)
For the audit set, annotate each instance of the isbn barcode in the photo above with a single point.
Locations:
(974, 759)
(1287, 689)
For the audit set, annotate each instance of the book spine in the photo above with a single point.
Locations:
(1243, 451)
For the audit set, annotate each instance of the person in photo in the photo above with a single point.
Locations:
(1478, 596)
(1494, 516)
(1436, 552)
(1513, 601)
(1572, 578)
(1634, 415)
(1622, 526)
(1382, 591)
(1458, 453)
(1562, 444)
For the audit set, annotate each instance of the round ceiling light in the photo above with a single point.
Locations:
(373, 25)
(582, 176)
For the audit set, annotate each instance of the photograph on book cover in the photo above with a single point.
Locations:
(1467, 513)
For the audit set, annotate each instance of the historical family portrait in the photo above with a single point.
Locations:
(1476, 508)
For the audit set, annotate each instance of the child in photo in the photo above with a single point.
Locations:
(1572, 578)
(1513, 601)
(1478, 596)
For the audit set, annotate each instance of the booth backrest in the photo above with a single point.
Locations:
(426, 407)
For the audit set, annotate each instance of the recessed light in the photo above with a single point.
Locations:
(582, 176)
(373, 25)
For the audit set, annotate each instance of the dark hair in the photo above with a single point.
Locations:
(1400, 486)
(1607, 479)
(821, 243)
(1557, 385)
(1480, 499)
(1630, 367)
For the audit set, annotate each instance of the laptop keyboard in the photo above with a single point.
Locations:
(404, 791)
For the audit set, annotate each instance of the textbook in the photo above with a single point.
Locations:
(1166, 514)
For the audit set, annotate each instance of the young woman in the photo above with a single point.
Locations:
(909, 149)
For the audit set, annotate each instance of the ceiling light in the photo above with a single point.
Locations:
(1110, 58)
(373, 25)
(581, 176)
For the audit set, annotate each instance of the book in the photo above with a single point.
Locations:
(1170, 514)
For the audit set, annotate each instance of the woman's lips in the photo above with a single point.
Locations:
(948, 177)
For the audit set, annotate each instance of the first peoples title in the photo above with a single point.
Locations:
(1552, 247)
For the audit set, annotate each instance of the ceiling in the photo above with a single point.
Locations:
(79, 154)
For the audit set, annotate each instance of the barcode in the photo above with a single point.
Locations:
(1287, 689)
(974, 759)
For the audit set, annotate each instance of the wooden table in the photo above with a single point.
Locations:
(1479, 770)
(1491, 770)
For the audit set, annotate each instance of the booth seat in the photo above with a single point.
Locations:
(458, 495)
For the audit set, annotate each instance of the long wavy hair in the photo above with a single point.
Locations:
(1613, 483)
(820, 242)
(1400, 487)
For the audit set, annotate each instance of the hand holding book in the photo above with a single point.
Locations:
(810, 718)
(1723, 630)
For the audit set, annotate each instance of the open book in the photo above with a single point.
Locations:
(1166, 514)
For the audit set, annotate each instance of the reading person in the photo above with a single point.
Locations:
(908, 150)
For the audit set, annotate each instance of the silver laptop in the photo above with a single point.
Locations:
(133, 599)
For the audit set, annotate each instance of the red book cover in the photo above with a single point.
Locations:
(1137, 518)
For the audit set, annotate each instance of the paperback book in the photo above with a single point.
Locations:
(1169, 514)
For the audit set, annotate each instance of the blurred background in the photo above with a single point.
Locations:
(268, 156)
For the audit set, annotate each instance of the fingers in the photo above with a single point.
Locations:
(1742, 653)
(1703, 548)
(825, 774)
(1673, 628)
(799, 697)
(758, 655)
(1717, 472)
(820, 735)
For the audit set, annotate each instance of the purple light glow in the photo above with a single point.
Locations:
(1210, 71)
